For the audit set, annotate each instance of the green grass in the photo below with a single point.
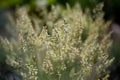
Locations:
(71, 52)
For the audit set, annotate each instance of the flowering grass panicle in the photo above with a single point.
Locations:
(71, 52)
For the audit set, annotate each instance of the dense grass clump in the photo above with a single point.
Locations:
(73, 50)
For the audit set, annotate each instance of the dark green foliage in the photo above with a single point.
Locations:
(111, 9)
(13, 3)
